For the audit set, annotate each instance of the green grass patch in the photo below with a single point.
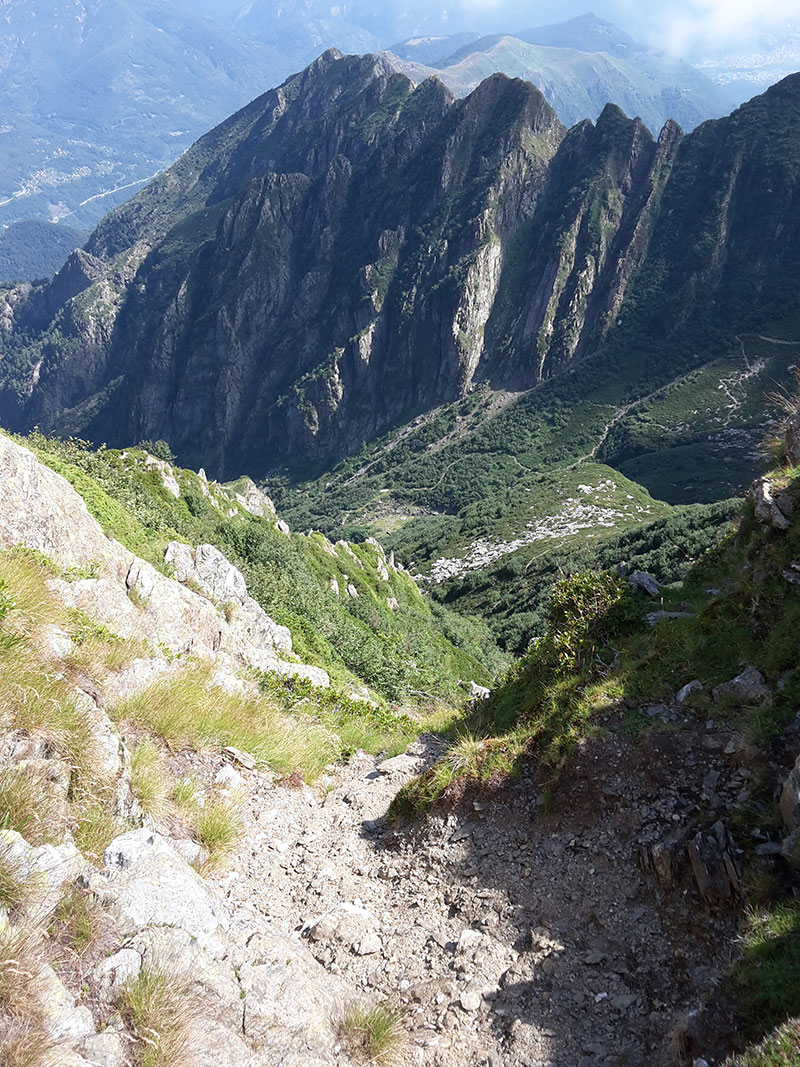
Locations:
(766, 977)
(217, 826)
(190, 711)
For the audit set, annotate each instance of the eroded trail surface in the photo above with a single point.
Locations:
(512, 938)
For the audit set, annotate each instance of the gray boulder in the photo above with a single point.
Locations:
(646, 582)
(148, 884)
(746, 688)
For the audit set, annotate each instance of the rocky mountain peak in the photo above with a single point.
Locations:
(278, 293)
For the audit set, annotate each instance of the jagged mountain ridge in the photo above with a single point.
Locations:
(349, 249)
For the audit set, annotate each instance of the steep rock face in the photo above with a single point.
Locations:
(41, 511)
(576, 256)
(349, 249)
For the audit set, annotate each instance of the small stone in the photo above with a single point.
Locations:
(244, 758)
(369, 945)
(228, 778)
(403, 764)
(683, 694)
(624, 1002)
(469, 941)
(710, 783)
(768, 848)
(470, 1000)
(656, 711)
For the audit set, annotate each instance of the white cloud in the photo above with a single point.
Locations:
(690, 24)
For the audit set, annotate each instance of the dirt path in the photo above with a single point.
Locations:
(619, 413)
(509, 938)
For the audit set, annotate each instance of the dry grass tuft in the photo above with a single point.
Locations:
(29, 805)
(217, 827)
(160, 1009)
(374, 1035)
(190, 711)
(148, 777)
(20, 949)
(25, 1043)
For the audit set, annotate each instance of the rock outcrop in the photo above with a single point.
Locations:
(42, 511)
(255, 989)
(249, 995)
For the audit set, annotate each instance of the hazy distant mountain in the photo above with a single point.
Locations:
(96, 96)
(580, 66)
(586, 33)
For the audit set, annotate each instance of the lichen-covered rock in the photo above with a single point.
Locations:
(207, 566)
(46, 868)
(224, 584)
(147, 883)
